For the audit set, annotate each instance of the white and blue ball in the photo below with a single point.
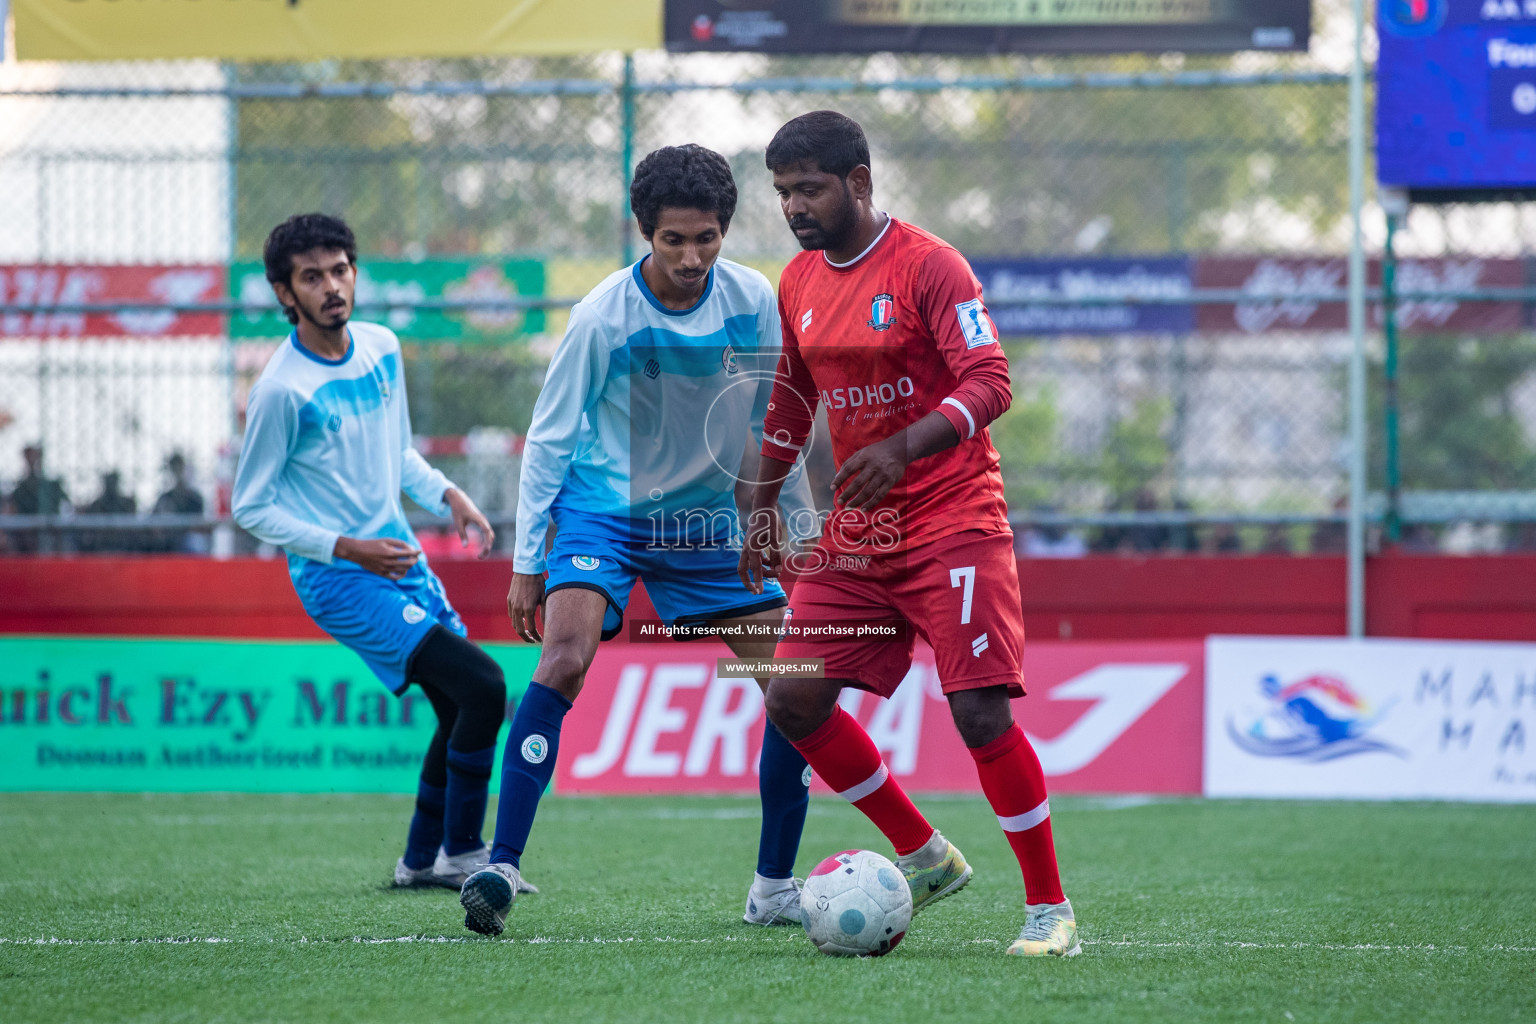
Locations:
(855, 903)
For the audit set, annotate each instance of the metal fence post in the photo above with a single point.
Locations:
(627, 154)
(1356, 534)
(1394, 517)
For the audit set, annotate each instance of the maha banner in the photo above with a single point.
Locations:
(1104, 717)
(80, 713)
(1393, 719)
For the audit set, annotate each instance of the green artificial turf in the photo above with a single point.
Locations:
(236, 908)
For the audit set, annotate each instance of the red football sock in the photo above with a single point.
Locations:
(842, 753)
(1014, 783)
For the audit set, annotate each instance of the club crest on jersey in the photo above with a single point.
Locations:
(882, 312)
(334, 423)
(728, 360)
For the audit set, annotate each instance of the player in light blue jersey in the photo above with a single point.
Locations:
(639, 450)
(327, 452)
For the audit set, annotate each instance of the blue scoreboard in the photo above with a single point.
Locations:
(1456, 97)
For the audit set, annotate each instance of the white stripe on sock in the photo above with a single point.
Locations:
(868, 786)
(1026, 821)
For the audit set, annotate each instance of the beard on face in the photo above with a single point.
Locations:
(333, 318)
(832, 233)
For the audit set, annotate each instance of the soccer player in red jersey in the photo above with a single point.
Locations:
(885, 325)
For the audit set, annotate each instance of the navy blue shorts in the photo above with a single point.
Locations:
(384, 621)
(688, 585)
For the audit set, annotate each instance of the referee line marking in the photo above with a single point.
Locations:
(540, 940)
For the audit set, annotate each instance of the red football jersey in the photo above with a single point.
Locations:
(898, 333)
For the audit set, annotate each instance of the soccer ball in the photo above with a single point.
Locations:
(855, 903)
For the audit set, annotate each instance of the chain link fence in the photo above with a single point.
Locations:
(1162, 247)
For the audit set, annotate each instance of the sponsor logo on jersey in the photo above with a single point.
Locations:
(805, 320)
(586, 563)
(535, 749)
(728, 360)
(413, 614)
(975, 324)
(652, 369)
(884, 393)
(979, 645)
(334, 423)
(882, 312)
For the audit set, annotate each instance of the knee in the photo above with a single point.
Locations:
(981, 716)
(488, 687)
(793, 713)
(562, 668)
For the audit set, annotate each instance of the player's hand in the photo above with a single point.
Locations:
(762, 551)
(524, 598)
(466, 514)
(384, 556)
(869, 473)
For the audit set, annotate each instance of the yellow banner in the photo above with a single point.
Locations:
(328, 29)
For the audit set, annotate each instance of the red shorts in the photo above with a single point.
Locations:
(959, 593)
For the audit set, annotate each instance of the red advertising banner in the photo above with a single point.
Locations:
(86, 285)
(1308, 276)
(1104, 718)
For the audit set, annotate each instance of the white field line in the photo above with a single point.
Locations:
(540, 940)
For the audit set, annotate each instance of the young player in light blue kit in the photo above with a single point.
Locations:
(326, 454)
(641, 443)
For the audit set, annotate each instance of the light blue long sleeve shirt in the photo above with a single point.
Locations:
(327, 450)
(646, 411)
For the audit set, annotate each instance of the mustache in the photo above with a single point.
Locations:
(797, 223)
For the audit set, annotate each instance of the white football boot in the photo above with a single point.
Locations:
(1050, 929)
(453, 872)
(488, 896)
(413, 878)
(772, 901)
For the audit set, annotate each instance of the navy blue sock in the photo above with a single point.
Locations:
(469, 780)
(527, 765)
(426, 833)
(784, 785)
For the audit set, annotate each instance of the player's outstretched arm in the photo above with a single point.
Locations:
(868, 475)
(524, 599)
(466, 514)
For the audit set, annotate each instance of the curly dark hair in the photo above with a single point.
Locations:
(301, 233)
(834, 142)
(682, 178)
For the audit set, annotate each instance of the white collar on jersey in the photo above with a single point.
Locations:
(871, 245)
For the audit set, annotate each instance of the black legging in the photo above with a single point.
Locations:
(468, 693)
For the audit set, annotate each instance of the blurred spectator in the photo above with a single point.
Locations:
(1277, 540)
(1181, 536)
(35, 495)
(110, 502)
(1137, 538)
(1329, 538)
(182, 499)
(1041, 541)
(1522, 537)
(1221, 539)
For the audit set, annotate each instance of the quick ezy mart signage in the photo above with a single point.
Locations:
(83, 713)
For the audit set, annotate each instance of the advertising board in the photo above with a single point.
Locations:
(1456, 95)
(1104, 717)
(985, 26)
(86, 713)
(1371, 719)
